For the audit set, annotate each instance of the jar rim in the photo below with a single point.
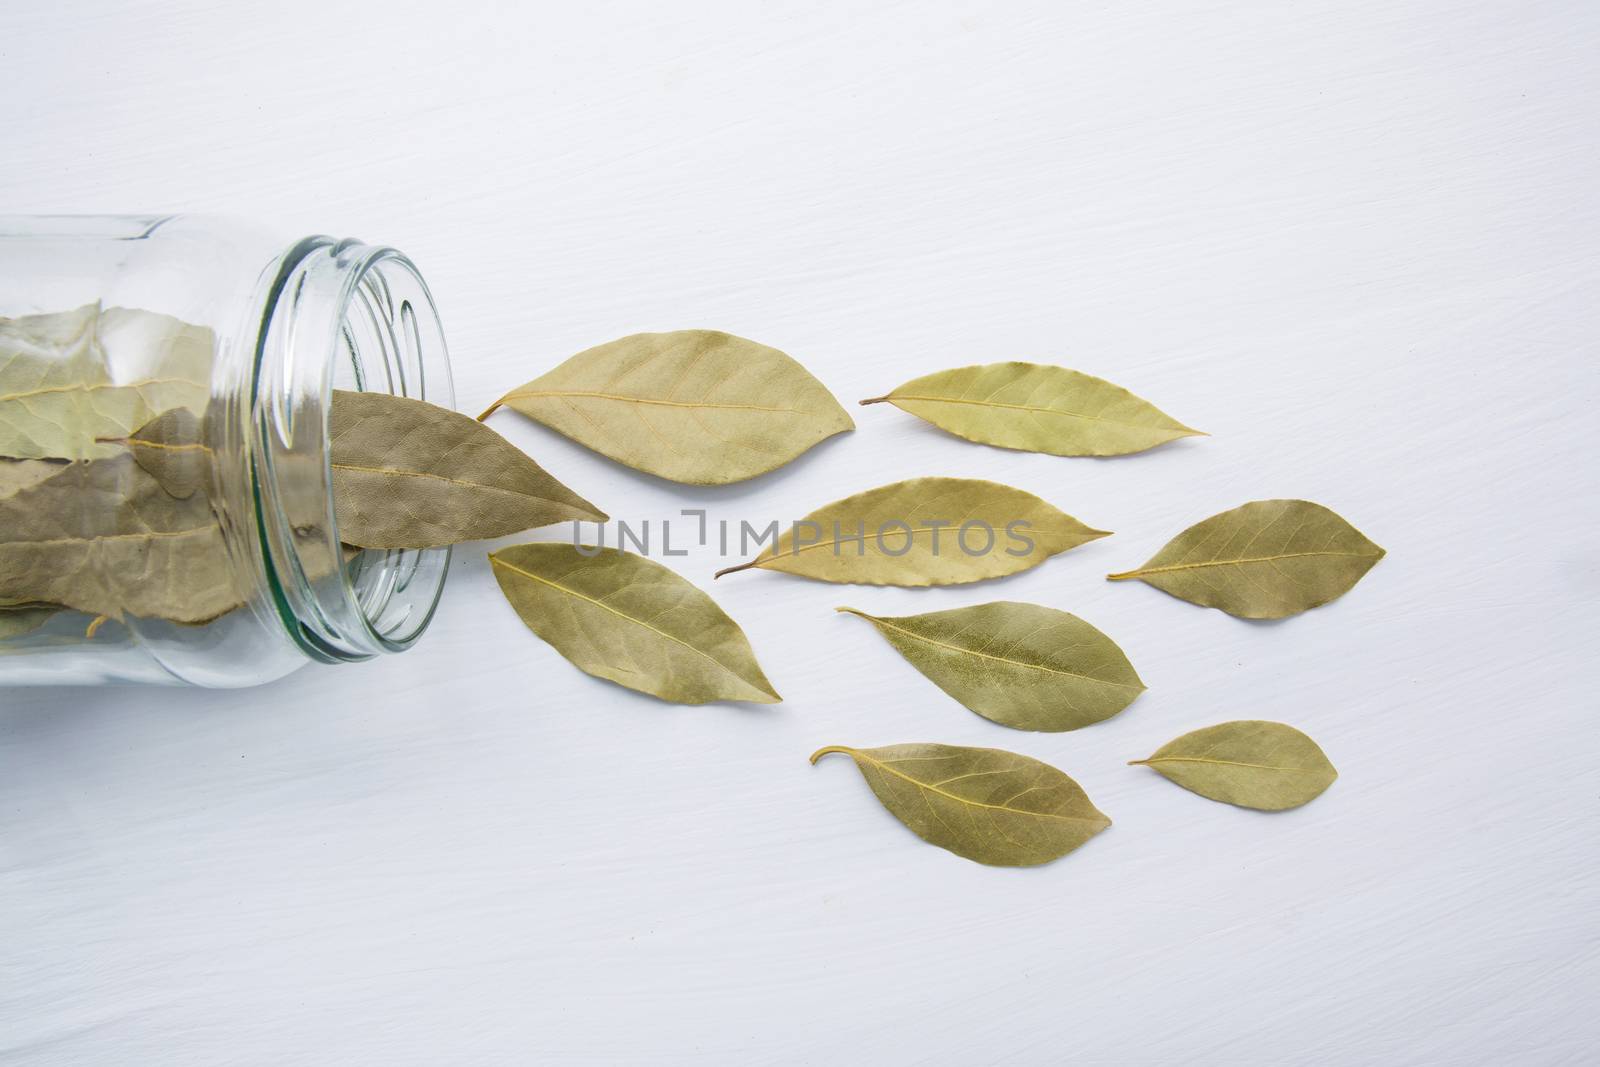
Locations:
(339, 314)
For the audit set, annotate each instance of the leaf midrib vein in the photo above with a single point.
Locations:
(78, 387)
(876, 538)
(974, 803)
(149, 535)
(1225, 763)
(1015, 407)
(159, 446)
(999, 659)
(399, 473)
(358, 468)
(1234, 562)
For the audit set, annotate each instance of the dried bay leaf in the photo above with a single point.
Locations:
(984, 804)
(632, 621)
(103, 537)
(1021, 665)
(73, 383)
(924, 531)
(696, 406)
(1037, 408)
(408, 474)
(1249, 763)
(172, 449)
(1268, 559)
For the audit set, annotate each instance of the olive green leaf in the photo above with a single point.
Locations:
(18, 474)
(172, 449)
(408, 474)
(696, 406)
(103, 537)
(1022, 665)
(1251, 763)
(19, 619)
(1037, 408)
(1268, 559)
(984, 804)
(924, 531)
(75, 382)
(632, 621)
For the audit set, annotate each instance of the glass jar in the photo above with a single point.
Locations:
(223, 568)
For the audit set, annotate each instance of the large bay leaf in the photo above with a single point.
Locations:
(408, 474)
(1037, 408)
(911, 533)
(696, 406)
(632, 621)
(1251, 763)
(103, 537)
(1021, 665)
(1264, 560)
(987, 805)
(72, 384)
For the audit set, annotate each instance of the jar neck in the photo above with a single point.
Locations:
(333, 314)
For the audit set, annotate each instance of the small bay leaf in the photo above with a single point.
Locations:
(103, 537)
(408, 474)
(1021, 665)
(697, 406)
(984, 804)
(1037, 408)
(1268, 559)
(1250, 763)
(73, 383)
(171, 448)
(632, 621)
(924, 531)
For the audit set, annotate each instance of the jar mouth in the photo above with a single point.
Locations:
(342, 315)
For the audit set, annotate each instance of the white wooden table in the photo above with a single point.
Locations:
(1357, 241)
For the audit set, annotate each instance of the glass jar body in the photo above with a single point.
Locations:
(166, 510)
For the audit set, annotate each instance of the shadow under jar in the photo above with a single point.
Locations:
(215, 561)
